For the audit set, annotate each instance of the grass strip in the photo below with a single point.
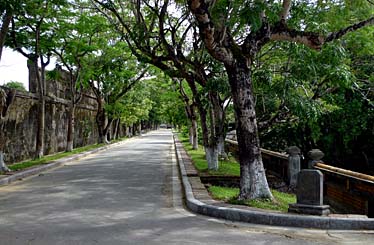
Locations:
(232, 168)
(225, 167)
(280, 203)
(49, 158)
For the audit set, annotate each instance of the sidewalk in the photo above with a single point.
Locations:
(198, 200)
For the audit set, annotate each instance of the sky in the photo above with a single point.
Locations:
(13, 67)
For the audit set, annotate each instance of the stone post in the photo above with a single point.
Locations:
(309, 194)
(315, 156)
(293, 165)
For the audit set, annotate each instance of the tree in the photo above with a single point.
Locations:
(31, 35)
(15, 85)
(233, 33)
(71, 49)
(7, 10)
(138, 22)
(112, 74)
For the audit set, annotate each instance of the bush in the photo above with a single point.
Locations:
(16, 85)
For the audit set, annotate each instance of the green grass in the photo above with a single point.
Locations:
(280, 203)
(232, 168)
(225, 167)
(50, 158)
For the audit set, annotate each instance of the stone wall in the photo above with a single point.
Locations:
(19, 126)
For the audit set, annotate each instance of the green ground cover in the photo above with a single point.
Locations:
(225, 167)
(232, 168)
(230, 195)
(49, 158)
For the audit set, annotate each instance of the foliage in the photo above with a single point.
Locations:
(15, 85)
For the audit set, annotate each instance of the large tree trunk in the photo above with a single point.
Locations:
(71, 122)
(253, 183)
(219, 123)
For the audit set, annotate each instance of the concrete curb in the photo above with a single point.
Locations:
(54, 164)
(265, 218)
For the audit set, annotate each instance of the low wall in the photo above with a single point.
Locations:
(274, 162)
(345, 191)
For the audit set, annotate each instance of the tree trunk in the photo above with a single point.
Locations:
(139, 129)
(41, 127)
(3, 166)
(219, 122)
(41, 110)
(195, 139)
(127, 131)
(221, 147)
(116, 128)
(211, 153)
(71, 122)
(190, 134)
(253, 183)
(208, 145)
(4, 29)
(100, 122)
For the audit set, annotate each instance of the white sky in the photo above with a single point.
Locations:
(13, 67)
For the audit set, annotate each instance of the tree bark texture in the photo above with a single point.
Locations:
(71, 123)
(195, 139)
(210, 147)
(221, 147)
(253, 183)
(41, 108)
(219, 118)
(211, 153)
(100, 122)
(190, 134)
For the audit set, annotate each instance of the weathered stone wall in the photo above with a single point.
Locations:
(19, 126)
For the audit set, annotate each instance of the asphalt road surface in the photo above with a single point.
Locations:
(129, 194)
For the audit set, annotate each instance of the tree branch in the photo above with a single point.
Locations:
(338, 34)
(285, 10)
(281, 32)
(199, 9)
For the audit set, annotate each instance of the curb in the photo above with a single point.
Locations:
(262, 217)
(54, 164)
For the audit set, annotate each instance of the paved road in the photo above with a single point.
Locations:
(129, 194)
